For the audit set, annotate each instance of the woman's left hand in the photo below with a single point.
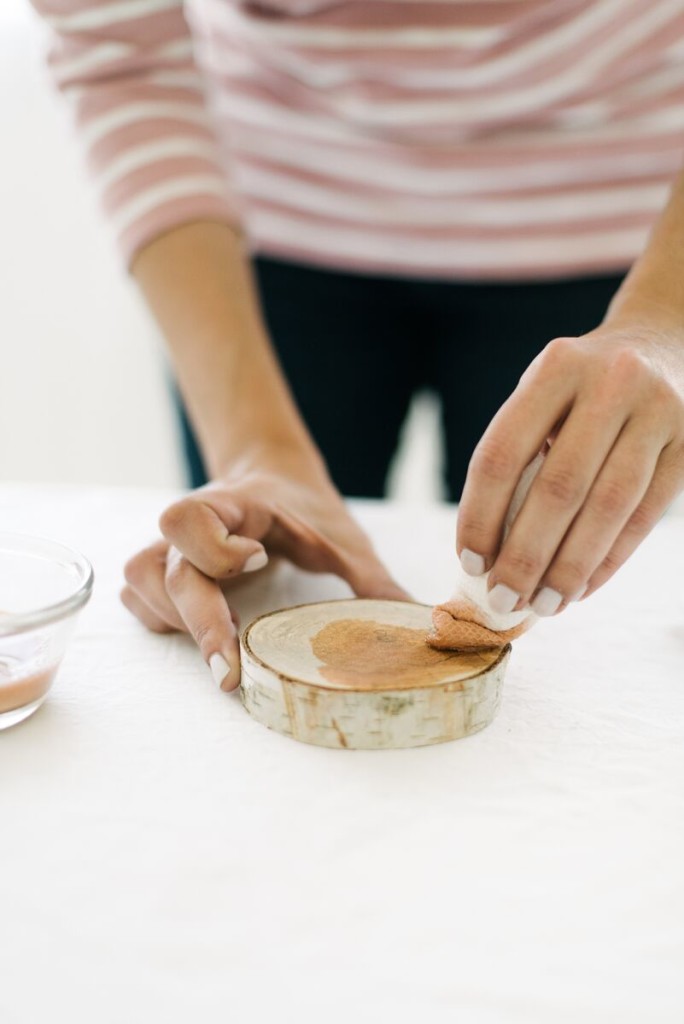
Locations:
(611, 405)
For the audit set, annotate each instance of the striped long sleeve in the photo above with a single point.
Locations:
(128, 67)
(465, 139)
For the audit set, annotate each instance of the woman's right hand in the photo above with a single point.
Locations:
(230, 527)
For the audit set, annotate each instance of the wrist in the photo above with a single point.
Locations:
(295, 458)
(636, 308)
(652, 294)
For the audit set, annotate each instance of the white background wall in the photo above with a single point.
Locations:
(82, 394)
(83, 390)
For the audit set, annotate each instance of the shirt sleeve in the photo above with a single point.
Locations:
(128, 68)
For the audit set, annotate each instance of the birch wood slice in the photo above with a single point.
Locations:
(359, 673)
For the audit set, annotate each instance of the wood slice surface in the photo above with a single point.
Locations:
(359, 673)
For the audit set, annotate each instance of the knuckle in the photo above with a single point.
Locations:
(203, 633)
(664, 395)
(492, 460)
(610, 564)
(212, 564)
(628, 367)
(135, 570)
(520, 564)
(642, 520)
(560, 487)
(558, 354)
(177, 576)
(570, 574)
(612, 499)
(174, 518)
(631, 364)
(470, 529)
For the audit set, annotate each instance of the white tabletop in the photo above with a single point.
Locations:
(166, 859)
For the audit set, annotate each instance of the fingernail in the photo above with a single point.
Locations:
(580, 594)
(547, 601)
(472, 563)
(256, 561)
(220, 668)
(502, 599)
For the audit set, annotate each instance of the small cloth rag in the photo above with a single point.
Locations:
(465, 622)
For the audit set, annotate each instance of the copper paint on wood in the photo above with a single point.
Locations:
(363, 655)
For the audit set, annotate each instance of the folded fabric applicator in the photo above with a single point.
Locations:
(466, 622)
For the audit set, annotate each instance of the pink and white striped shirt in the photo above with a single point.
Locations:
(457, 138)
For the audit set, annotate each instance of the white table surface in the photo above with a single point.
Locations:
(166, 859)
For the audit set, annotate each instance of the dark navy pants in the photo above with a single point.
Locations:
(357, 347)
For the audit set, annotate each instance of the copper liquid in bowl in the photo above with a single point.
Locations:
(43, 586)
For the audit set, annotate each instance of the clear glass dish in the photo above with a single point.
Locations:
(43, 586)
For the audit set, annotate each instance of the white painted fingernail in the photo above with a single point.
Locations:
(502, 599)
(256, 561)
(580, 593)
(547, 602)
(220, 668)
(472, 563)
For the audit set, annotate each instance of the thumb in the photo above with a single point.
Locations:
(365, 573)
(371, 579)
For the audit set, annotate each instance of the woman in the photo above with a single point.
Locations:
(395, 195)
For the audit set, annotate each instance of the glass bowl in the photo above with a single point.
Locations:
(43, 586)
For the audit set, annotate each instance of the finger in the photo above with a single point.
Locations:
(374, 582)
(202, 607)
(366, 574)
(145, 573)
(203, 536)
(142, 611)
(619, 488)
(665, 486)
(555, 497)
(515, 436)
